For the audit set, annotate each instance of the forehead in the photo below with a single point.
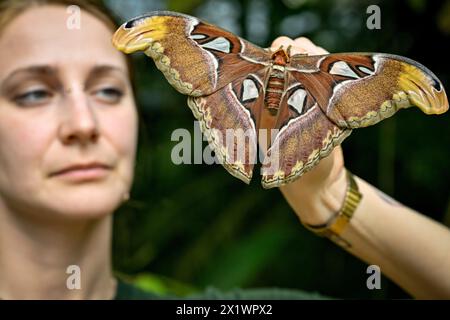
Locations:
(41, 36)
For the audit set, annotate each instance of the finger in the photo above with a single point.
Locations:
(321, 50)
(286, 42)
(282, 41)
(309, 46)
(296, 50)
(306, 44)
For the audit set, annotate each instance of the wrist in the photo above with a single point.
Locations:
(332, 196)
(336, 224)
(326, 201)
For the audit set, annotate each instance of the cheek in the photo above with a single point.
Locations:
(23, 143)
(121, 130)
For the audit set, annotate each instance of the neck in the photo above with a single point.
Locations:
(35, 258)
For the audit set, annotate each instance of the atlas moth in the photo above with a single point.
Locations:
(307, 104)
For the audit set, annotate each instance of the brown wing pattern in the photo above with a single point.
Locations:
(193, 55)
(360, 89)
(227, 118)
(305, 136)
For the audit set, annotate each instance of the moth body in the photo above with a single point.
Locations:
(276, 84)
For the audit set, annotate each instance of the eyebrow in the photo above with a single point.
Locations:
(46, 70)
(43, 70)
(51, 71)
(104, 69)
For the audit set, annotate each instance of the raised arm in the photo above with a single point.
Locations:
(409, 248)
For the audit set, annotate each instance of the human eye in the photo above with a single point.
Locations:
(110, 95)
(33, 97)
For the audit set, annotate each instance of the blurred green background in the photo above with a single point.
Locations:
(191, 226)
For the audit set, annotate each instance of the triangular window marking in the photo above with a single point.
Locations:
(365, 70)
(297, 100)
(249, 90)
(220, 44)
(198, 36)
(341, 68)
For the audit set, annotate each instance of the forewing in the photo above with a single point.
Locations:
(197, 58)
(360, 89)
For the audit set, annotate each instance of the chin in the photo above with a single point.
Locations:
(90, 202)
(87, 211)
(91, 205)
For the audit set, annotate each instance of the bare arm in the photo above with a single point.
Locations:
(409, 248)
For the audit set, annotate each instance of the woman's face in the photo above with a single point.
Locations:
(65, 101)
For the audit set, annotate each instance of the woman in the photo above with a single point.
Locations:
(68, 141)
(68, 134)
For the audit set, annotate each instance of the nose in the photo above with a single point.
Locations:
(80, 123)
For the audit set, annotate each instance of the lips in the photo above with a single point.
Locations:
(83, 171)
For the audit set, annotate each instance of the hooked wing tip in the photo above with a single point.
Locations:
(424, 90)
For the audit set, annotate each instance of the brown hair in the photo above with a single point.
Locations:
(10, 9)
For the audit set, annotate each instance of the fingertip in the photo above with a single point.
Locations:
(321, 50)
(309, 46)
(282, 41)
(301, 41)
(298, 50)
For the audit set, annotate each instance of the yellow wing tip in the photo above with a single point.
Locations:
(141, 36)
(422, 90)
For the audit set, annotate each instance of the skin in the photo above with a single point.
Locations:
(65, 98)
(409, 248)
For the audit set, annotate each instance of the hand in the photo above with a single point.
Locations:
(319, 193)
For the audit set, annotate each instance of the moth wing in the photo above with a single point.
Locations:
(305, 136)
(360, 89)
(197, 58)
(229, 120)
